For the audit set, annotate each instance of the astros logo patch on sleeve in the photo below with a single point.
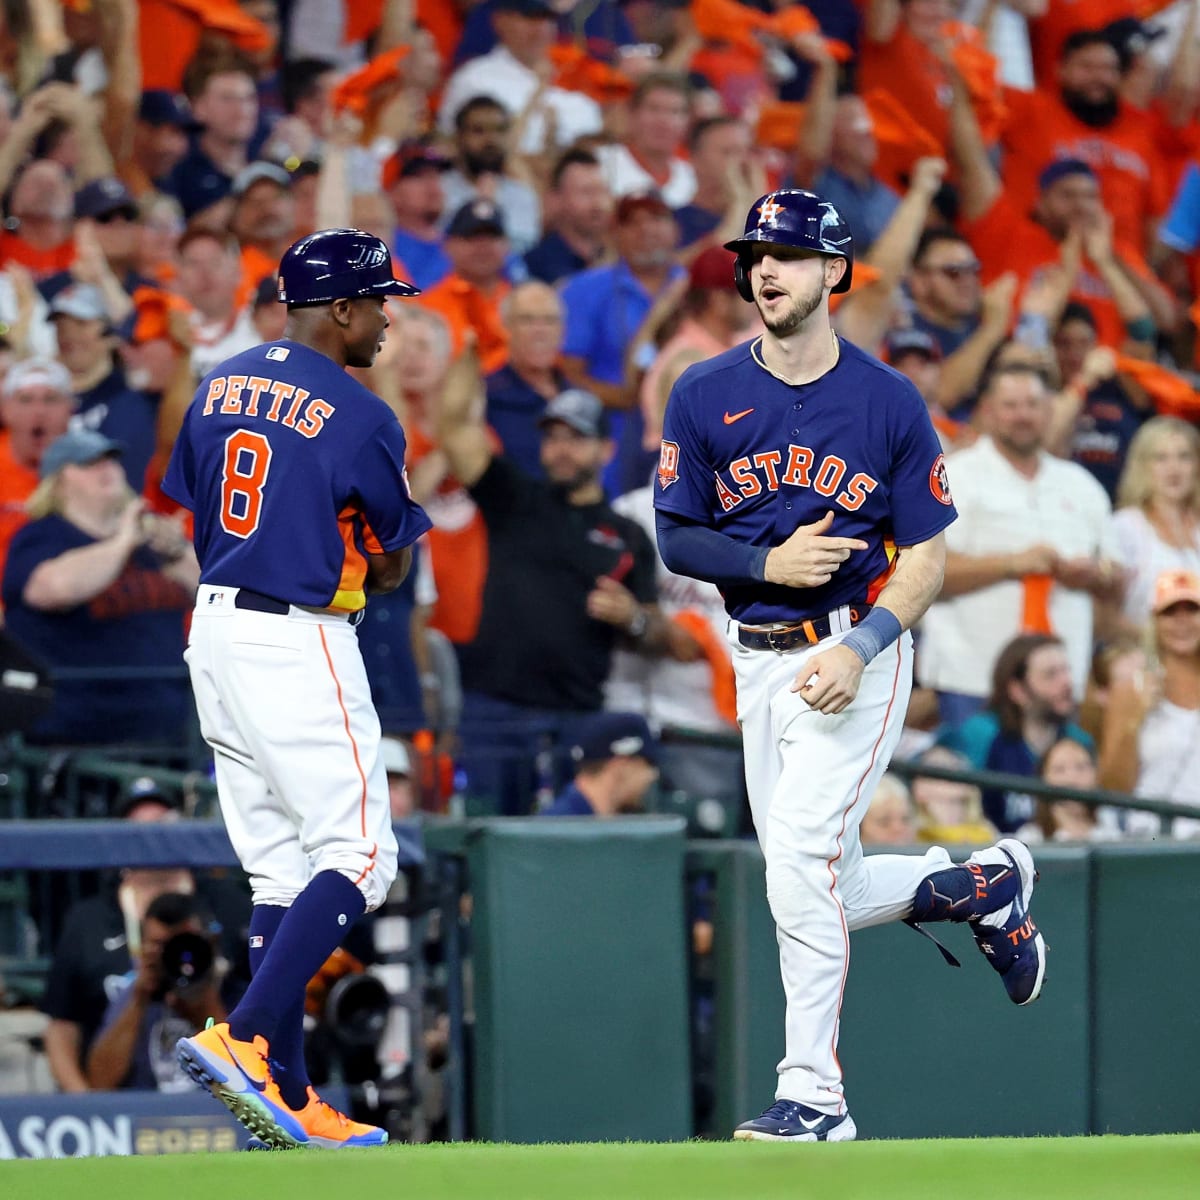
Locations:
(668, 464)
(939, 481)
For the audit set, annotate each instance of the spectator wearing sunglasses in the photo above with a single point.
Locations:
(944, 285)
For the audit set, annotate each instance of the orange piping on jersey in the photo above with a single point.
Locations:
(841, 835)
(337, 683)
(880, 581)
(351, 594)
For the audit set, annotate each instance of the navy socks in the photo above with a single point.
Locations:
(295, 943)
(287, 1046)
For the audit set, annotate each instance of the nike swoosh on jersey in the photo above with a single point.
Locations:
(731, 418)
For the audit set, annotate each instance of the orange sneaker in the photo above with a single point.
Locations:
(328, 1129)
(238, 1075)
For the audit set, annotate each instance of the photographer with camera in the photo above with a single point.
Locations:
(175, 986)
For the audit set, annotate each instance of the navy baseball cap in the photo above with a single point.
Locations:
(1062, 168)
(526, 8)
(102, 197)
(614, 735)
(581, 410)
(162, 107)
(146, 790)
(911, 341)
(476, 218)
(78, 448)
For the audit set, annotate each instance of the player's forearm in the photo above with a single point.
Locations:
(702, 553)
(966, 573)
(916, 582)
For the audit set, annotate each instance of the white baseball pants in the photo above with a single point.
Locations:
(285, 705)
(810, 779)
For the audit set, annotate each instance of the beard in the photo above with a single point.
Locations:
(785, 324)
(488, 162)
(565, 486)
(1096, 114)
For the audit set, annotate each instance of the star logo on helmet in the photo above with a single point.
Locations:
(769, 211)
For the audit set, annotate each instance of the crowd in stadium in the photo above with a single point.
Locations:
(1022, 180)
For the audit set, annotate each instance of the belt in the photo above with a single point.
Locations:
(803, 633)
(257, 602)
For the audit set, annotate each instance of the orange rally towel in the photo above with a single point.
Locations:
(577, 71)
(1173, 396)
(354, 93)
(1035, 603)
(724, 689)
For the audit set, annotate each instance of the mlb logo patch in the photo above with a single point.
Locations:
(256, 942)
(278, 353)
(668, 464)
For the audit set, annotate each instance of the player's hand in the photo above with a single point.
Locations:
(613, 603)
(829, 681)
(1037, 560)
(808, 558)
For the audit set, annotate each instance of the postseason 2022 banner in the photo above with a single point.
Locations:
(102, 1123)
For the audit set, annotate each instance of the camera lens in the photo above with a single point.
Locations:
(187, 959)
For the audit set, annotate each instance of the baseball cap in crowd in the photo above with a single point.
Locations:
(1175, 587)
(911, 341)
(411, 157)
(104, 198)
(582, 411)
(650, 201)
(78, 448)
(1060, 169)
(1130, 37)
(36, 372)
(713, 269)
(476, 218)
(526, 8)
(84, 301)
(614, 735)
(258, 171)
(146, 790)
(161, 107)
(395, 758)
(266, 293)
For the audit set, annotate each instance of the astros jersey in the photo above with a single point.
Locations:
(295, 472)
(754, 457)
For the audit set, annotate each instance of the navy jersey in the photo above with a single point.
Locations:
(295, 472)
(754, 457)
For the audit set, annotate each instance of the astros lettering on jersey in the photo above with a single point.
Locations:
(857, 440)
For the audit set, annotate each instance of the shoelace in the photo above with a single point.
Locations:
(782, 1110)
(341, 1118)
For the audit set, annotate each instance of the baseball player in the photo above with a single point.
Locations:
(295, 475)
(804, 478)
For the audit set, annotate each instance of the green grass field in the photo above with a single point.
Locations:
(1143, 1168)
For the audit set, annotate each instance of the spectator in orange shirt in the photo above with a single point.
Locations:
(1086, 119)
(263, 220)
(36, 403)
(41, 208)
(1062, 18)
(1068, 225)
(468, 299)
(901, 55)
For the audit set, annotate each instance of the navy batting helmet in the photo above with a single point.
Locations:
(337, 264)
(792, 217)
